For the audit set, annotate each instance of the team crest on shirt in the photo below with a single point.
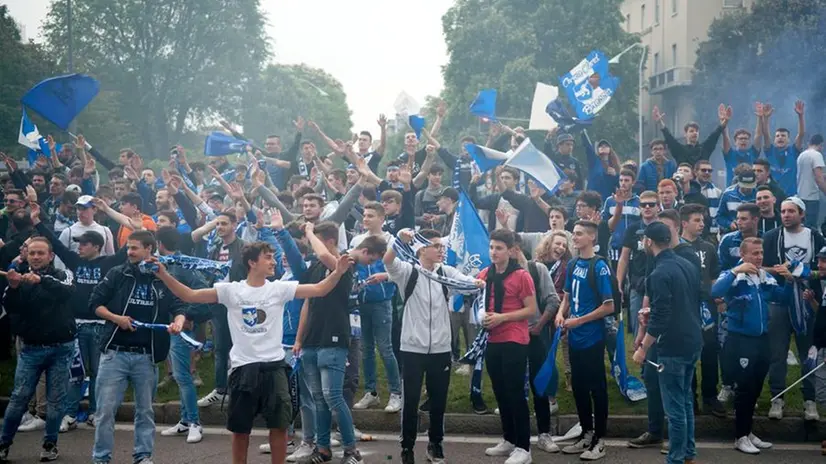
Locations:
(252, 318)
(744, 362)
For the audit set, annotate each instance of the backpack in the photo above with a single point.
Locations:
(534, 271)
(592, 280)
(414, 278)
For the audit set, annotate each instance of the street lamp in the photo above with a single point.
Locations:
(615, 60)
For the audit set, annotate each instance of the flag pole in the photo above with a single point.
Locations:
(799, 380)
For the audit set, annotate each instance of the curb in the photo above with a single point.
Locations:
(790, 429)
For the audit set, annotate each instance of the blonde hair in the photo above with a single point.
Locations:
(544, 251)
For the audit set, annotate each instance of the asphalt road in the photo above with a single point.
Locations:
(75, 448)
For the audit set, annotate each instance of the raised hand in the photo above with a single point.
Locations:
(130, 172)
(299, 124)
(768, 109)
(382, 121)
(405, 176)
(80, 142)
(89, 167)
(213, 171)
(721, 113)
(31, 194)
(536, 189)
(758, 109)
(343, 264)
(276, 220)
(502, 216)
(52, 144)
(441, 110)
(313, 126)
(34, 213)
(658, 115)
(258, 179)
(799, 107)
(235, 192)
(166, 176)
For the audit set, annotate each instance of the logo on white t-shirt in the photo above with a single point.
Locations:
(252, 317)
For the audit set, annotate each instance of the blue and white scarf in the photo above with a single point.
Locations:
(195, 344)
(215, 269)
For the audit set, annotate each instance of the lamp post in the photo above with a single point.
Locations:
(615, 60)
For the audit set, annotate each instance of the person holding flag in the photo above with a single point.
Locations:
(588, 299)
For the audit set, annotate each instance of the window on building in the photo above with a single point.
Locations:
(656, 63)
(642, 17)
(656, 11)
(673, 7)
(732, 3)
(674, 55)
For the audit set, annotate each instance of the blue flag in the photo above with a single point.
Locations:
(567, 123)
(484, 105)
(30, 137)
(220, 144)
(60, 99)
(547, 379)
(629, 386)
(589, 85)
(468, 241)
(486, 158)
(417, 123)
(528, 159)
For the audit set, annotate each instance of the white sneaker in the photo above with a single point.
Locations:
(504, 448)
(368, 400)
(334, 443)
(582, 445)
(791, 360)
(546, 443)
(68, 423)
(24, 421)
(196, 434)
(496, 411)
(554, 405)
(212, 398)
(265, 448)
(519, 456)
(726, 394)
(303, 451)
(776, 410)
(357, 433)
(810, 411)
(36, 423)
(746, 446)
(464, 369)
(175, 430)
(758, 443)
(394, 404)
(596, 451)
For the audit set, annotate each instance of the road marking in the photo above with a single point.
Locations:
(489, 440)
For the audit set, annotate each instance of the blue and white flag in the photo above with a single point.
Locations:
(567, 123)
(528, 159)
(589, 85)
(547, 379)
(467, 244)
(486, 158)
(220, 144)
(30, 138)
(629, 386)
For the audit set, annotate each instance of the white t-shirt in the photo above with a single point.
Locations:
(77, 229)
(356, 241)
(807, 188)
(256, 317)
(798, 246)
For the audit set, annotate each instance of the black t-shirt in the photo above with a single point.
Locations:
(709, 264)
(638, 259)
(140, 307)
(372, 159)
(328, 319)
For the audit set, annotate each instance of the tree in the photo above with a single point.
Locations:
(21, 66)
(282, 93)
(772, 53)
(510, 45)
(172, 64)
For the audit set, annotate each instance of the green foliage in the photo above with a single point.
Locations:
(171, 66)
(772, 53)
(509, 45)
(21, 66)
(284, 92)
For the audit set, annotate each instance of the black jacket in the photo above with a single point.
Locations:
(88, 273)
(674, 292)
(238, 270)
(114, 291)
(773, 244)
(40, 314)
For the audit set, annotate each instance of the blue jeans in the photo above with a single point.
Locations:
(32, 361)
(115, 371)
(656, 415)
(324, 373)
(678, 402)
(376, 325)
(305, 402)
(812, 214)
(179, 354)
(88, 337)
(223, 343)
(780, 333)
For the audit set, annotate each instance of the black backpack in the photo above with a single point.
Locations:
(592, 280)
(414, 278)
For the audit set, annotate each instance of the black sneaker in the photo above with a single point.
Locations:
(408, 457)
(715, 407)
(425, 407)
(317, 458)
(644, 441)
(479, 406)
(49, 453)
(351, 457)
(435, 453)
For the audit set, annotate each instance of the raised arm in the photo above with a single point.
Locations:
(330, 142)
(383, 140)
(328, 284)
(758, 126)
(800, 139)
(320, 250)
(184, 293)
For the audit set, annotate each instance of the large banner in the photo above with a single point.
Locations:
(589, 85)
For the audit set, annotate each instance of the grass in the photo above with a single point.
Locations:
(459, 393)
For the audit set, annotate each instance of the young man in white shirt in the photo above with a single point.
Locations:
(86, 211)
(810, 179)
(258, 380)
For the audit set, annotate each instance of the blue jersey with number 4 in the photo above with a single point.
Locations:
(582, 301)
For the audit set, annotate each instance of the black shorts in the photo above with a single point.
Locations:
(259, 388)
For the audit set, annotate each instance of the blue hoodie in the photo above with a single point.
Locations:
(292, 310)
(747, 300)
(648, 179)
(732, 198)
(373, 293)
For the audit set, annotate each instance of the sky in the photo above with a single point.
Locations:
(366, 44)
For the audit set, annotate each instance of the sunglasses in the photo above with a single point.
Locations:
(648, 205)
(706, 170)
